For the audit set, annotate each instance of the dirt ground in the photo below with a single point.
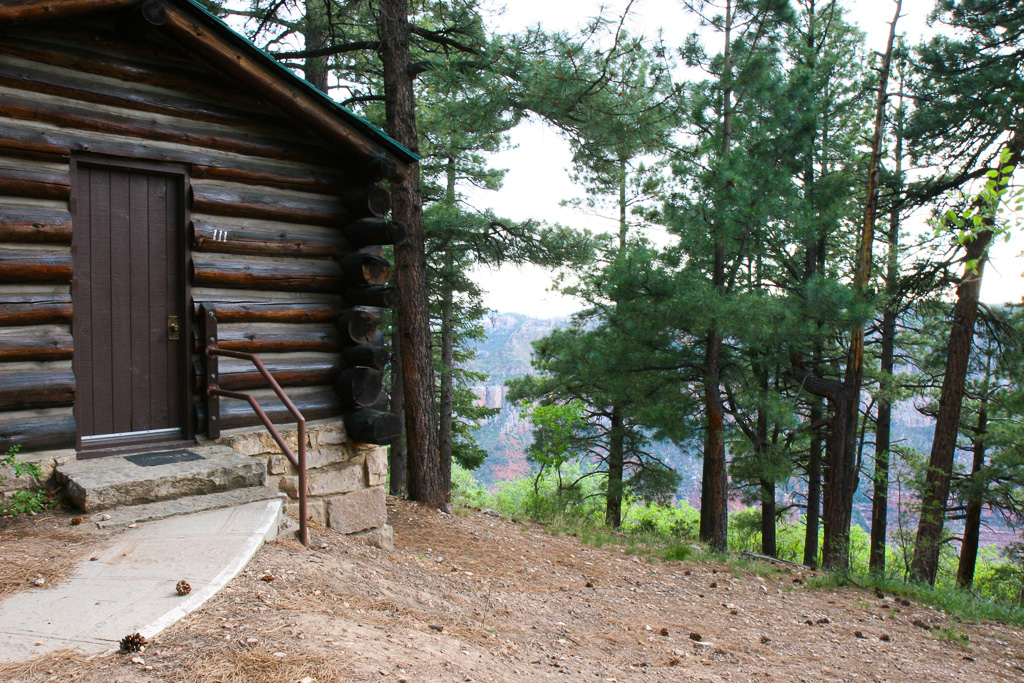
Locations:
(472, 597)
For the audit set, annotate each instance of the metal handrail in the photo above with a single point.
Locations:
(300, 462)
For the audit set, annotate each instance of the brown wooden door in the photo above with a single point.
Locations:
(128, 285)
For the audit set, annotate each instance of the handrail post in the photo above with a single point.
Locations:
(303, 528)
(214, 392)
(208, 324)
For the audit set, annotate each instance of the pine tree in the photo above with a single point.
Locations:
(974, 101)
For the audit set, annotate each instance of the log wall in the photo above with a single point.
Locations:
(281, 227)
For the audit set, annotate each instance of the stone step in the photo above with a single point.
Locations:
(102, 483)
(149, 512)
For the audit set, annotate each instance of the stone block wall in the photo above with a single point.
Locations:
(345, 481)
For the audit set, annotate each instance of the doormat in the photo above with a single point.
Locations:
(163, 458)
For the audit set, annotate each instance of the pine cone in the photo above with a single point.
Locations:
(133, 643)
(183, 587)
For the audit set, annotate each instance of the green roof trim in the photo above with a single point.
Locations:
(355, 120)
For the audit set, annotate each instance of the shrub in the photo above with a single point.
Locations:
(26, 500)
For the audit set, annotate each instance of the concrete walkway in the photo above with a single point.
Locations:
(131, 586)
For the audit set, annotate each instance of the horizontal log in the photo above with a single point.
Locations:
(376, 357)
(246, 169)
(359, 387)
(236, 375)
(308, 276)
(36, 344)
(377, 296)
(169, 74)
(372, 426)
(34, 225)
(301, 338)
(365, 269)
(37, 433)
(35, 183)
(36, 309)
(273, 312)
(358, 327)
(247, 202)
(367, 200)
(233, 413)
(21, 390)
(35, 10)
(83, 88)
(69, 115)
(285, 241)
(30, 266)
(306, 179)
(106, 38)
(367, 232)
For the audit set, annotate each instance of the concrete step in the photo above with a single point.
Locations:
(116, 481)
(150, 512)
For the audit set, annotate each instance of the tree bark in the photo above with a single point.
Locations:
(883, 442)
(813, 489)
(975, 502)
(616, 456)
(714, 499)
(768, 540)
(426, 482)
(315, 34)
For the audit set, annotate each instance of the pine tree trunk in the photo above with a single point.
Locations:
(426, 481)
(616, 443)
(883, 440)
(768, 542)
(975, 502)
(714, 499)
(314, 32)
(813, 489)
(397, 462)
(837, 492)
(940, 463)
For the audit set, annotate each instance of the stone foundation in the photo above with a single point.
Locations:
(345, 481)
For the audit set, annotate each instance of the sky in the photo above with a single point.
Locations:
(539, 160)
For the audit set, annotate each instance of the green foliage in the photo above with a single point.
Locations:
(956, 602)
(26, 500)
(668, 532)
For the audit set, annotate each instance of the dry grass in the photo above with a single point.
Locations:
(44, 546)
(236, 664)
(60, 665)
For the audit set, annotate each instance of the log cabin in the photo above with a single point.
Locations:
(165, 188)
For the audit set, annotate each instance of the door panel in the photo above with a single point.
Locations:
(128, 227)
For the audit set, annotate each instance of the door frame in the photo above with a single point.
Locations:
(183, 173)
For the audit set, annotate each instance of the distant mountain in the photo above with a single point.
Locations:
(505, 354)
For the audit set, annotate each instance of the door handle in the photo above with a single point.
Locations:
(173, 328)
